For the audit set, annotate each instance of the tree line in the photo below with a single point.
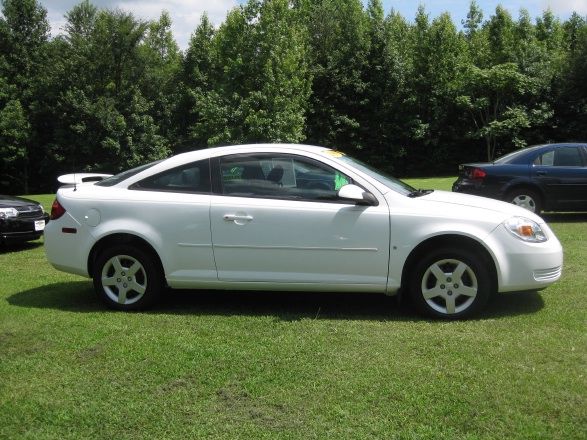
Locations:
(413, 97)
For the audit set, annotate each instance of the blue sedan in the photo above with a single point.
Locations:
(550, 177)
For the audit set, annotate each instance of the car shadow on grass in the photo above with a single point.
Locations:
(76, 296)
(287, 306)
(504, 305)
(565, 217)
(9, 248)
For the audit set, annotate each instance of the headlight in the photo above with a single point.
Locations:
(525, 229)
(8, 212)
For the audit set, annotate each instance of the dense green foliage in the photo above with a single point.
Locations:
(414, 98)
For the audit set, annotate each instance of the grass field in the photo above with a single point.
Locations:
(289, 366)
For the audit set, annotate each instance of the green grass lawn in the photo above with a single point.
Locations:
(289, 365)
(443, 183)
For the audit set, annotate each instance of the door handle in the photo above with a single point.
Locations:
(236, 217)
(541, 173)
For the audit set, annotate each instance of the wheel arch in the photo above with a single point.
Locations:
(121, 238)
(449, 240)
(525, 184)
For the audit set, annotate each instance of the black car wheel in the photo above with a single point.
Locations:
(127, 278)
(526, 198)
(450, 283)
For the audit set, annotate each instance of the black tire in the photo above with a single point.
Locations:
(127, 278)
(451, 284)
(526, 198)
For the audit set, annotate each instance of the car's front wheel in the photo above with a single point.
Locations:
(451, 284)
(127, 278)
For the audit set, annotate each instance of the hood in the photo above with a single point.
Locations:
(13, 201)
(445, 200)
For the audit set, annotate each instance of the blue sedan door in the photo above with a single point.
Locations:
(562, 173)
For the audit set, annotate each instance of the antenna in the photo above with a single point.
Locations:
(74, 166)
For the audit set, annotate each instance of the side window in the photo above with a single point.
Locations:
(192, 178)
(546, 159)
(280, 176)
(567, 157)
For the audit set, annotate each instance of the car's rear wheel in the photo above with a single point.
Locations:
(451, 284)
(526, 198)
(127, 278)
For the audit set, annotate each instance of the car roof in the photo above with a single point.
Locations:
(555, 145)
(239, 149)
(221, 151)
(523, 153)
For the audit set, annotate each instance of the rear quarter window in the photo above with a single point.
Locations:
(191, 178)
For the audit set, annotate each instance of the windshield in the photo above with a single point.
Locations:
(113, 180)
(387, 180)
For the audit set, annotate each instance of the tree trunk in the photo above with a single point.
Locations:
(488, 144)
(26, 175)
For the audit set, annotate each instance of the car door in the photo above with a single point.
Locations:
(277, 219)
(562, 172)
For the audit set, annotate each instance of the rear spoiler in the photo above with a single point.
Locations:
(81, 178)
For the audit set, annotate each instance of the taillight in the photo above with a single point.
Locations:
(478, 174)
(56, 210)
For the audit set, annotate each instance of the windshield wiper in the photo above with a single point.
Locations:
(420, 192)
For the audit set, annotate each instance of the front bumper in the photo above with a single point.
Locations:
(15, 229)
(526, 266)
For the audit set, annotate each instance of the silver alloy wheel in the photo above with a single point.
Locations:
(449, 286)
(525, 201)
(124, 279)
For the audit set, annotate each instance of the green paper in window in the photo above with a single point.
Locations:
(340, 180)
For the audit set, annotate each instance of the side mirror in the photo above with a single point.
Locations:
(358, 195)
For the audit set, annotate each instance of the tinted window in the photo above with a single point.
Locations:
(567, 157)
(510, 157)
(561, 157)
(546, 159)
(280, 176)
(113, 180)
(193, 178)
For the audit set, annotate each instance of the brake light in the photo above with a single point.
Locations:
(56, 210)
(478, 174)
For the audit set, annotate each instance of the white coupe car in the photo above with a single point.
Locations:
(294, 217)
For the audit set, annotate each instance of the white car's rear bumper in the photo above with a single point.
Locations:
(66, 246)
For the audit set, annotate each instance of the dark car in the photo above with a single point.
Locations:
(21, 219)
(550, 177)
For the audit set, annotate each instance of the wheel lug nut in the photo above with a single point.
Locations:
(118, 280)
(123, 274)
(130, 279)
(449, 293)
(456, 286)
(448, 280)
(442, 286)
(124, 285)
